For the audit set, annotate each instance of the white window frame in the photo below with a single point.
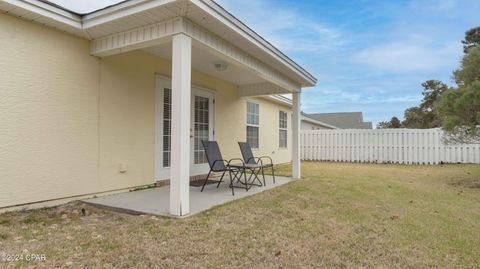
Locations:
(280, 128)
(253, 125)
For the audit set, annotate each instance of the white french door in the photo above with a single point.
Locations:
(201, 128)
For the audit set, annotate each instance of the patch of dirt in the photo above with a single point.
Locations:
(471, 183)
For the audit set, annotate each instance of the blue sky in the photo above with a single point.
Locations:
(368, 56)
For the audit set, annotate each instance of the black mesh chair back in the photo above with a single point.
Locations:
(263, 162)
(247, 152)
(214, 156)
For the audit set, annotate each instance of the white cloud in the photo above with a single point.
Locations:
(409, 56)
(435, 5)
(287, 29)
(332, 96)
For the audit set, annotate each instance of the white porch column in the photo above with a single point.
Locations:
(180, 151)
(296, 136)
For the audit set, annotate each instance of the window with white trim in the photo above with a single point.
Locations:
(282, 129)
(253, 124)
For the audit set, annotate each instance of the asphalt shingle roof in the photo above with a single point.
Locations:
(343, 120)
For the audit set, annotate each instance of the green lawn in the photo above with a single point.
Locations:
(339, 215)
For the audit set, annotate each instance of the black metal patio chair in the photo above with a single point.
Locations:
(249, 159)
(219, 165)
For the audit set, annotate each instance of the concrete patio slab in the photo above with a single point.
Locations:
(155, 201)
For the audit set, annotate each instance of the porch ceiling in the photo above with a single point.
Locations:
(202, 12)
(204, 59)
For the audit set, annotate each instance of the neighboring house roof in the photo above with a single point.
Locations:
(343, 120)
(305, 117)
(131, 14)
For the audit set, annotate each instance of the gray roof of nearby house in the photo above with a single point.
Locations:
(343, 120)
(306, 117)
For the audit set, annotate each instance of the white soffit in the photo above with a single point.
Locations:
(204, 59)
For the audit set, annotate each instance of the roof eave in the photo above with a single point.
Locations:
(47, 9)
(310, 80)
(84, 21)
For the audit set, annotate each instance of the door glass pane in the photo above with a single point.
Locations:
(167, 126)
(201, 128)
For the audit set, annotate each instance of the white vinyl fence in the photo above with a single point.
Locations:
(408, 146)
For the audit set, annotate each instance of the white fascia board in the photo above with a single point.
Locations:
(282, 98)
(226, 18)
(279, 99)
(121, 10)
(49, 11)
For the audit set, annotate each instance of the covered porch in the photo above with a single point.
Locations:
(202, 38)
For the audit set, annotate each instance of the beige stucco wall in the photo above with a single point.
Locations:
(126, 120)
(68, 120)
(48, 114)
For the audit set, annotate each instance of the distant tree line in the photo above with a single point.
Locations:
(455, 109)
